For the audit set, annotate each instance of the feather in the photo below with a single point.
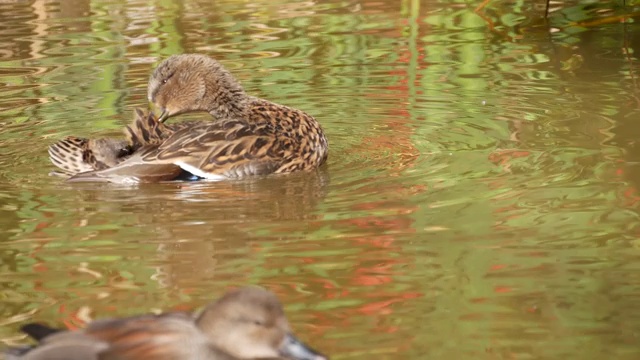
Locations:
(131, 171)
(74, 155)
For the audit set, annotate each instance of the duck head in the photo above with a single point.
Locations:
(249, 323)
(192, 82)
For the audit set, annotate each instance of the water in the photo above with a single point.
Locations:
(480, 199)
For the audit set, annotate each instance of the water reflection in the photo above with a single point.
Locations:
(480, 198)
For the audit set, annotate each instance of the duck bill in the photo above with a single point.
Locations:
(164, 115)
(294, 349)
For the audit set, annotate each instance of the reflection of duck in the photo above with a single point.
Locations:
(194, 232)
(247, 323)
(250, 136)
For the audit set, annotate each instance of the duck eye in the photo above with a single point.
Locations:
(258, 323)
(167, 77)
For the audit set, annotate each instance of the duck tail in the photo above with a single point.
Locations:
(69, 155)
(146, 130)
(38, 331)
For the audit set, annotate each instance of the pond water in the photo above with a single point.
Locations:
(480, 199)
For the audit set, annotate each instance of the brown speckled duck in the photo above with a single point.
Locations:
(247, 323)
(249, 136)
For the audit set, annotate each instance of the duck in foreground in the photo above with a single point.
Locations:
(249, 136)
(247, 323)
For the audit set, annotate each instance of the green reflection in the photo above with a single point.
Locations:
(480, 199)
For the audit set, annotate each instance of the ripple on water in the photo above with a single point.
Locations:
(480, 198)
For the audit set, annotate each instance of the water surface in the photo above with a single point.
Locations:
(480, 200)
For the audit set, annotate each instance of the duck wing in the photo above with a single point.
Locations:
(212, 150)
(131, 171)
(154, 337)
(223, 149)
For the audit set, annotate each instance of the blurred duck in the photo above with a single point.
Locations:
(249, 136)
(247, 323)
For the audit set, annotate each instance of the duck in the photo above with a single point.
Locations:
(248, 136)
(245, 323)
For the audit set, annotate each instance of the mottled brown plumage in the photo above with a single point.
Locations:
(79, 158)
(74, 155)
(249, 136)
(247, 323)
(146, 130)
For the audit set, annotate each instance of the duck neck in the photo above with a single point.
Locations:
(228, 97)
(229, 105)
